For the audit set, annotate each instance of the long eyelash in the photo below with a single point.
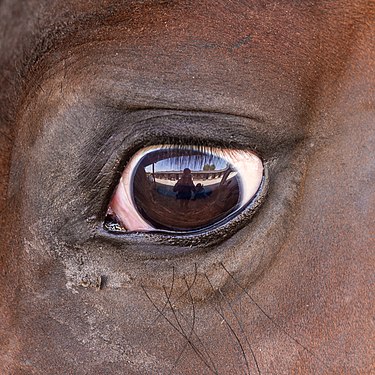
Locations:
(200, 145)
(183, 142)
(198, 148)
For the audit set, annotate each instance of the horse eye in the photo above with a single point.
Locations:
(183, 189)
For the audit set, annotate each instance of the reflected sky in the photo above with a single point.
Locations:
(193, 162)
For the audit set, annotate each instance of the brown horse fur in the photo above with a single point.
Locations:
(284, 289)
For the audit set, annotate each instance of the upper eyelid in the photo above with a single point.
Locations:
(128, 131)
(211, 129)
(207, 129)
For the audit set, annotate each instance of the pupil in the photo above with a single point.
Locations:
(184, 189)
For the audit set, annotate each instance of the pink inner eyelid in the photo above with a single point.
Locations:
(122, 203)
(248, 165)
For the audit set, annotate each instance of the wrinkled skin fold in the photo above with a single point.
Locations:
(284, 288)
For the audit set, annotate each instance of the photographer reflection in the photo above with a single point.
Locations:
(184, 188)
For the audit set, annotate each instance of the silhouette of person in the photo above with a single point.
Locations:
(184, 188)
(200, 192)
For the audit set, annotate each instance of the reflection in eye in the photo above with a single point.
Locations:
(183, 188)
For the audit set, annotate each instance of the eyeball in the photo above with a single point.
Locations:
(183, 189)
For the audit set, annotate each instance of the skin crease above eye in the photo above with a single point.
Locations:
(287, 289)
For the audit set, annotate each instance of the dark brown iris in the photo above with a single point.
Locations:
(184, 189)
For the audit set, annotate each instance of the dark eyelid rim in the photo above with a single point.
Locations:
(204, 238)
(180, 127)
(206, 228)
